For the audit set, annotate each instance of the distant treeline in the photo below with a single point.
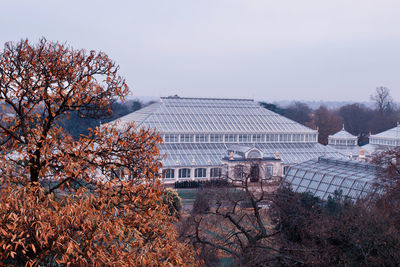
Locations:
(357, 118)
(76, 125)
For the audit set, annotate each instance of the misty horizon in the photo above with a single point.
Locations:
(313, 50)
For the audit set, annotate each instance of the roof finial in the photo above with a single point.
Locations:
(343, 127)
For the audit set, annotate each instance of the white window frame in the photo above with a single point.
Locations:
(200, 173)
(185, 171)
(168, 172)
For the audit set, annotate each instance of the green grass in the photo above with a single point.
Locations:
(187, 194)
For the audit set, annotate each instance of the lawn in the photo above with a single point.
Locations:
(188, 196)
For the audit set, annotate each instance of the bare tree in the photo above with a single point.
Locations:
(236, 221)
(356, 118)
(259, 227)
(383, 99)
(336, 232)
(327, 122)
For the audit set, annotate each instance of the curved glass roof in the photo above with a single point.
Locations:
(323, 176)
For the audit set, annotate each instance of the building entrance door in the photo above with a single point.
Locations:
(254, 173)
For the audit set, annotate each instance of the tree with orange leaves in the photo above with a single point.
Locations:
(92, 201)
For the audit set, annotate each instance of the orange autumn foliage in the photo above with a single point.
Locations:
(100, 228)
(92, 201)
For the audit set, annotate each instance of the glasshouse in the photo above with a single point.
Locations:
(199, 132)
(383, 141)
(347, 144)
(323, 176)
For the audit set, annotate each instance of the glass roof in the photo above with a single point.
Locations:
(198, 131)
(393, 133)
(324, 175)
(208, 115)
(347, 150)
(343, 134)
(211, 154)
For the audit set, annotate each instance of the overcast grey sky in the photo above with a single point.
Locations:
(267, 50)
